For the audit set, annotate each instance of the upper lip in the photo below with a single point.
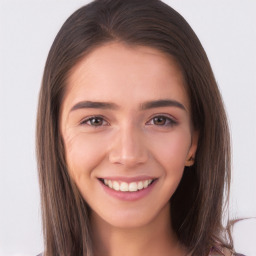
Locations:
(128, 179)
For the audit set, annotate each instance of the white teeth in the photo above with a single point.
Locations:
(110, 183)
(133, 187)
(145, 183)
(125, 187)
(140, 185)
(116, 185)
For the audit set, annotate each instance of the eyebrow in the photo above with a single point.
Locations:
(162, 103)
(94, 104)
(143, 106)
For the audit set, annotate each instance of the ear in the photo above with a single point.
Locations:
(192, 151)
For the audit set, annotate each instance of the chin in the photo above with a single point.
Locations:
(133, 218)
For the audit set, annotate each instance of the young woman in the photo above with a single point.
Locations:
(132, 138)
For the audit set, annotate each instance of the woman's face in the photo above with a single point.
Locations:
(126, 126)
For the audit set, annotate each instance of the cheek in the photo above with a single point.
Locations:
(171, 149)
(83, 153)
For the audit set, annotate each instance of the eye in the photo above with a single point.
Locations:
(162, 121)
(94, 121)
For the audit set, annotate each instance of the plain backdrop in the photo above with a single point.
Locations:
(227, 30)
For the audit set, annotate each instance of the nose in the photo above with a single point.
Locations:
(128, 147)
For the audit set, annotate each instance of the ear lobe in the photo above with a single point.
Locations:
(190, 161)
(192, 151)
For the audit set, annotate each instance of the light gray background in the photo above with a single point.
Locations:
(226, 29)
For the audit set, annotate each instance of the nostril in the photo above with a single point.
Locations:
(130, 161)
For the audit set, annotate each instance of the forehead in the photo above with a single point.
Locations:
(115, 70)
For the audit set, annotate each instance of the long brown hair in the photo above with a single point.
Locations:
(197, 205)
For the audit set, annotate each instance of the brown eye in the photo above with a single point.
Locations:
(162, 121)
(159, 120)
(94, 121)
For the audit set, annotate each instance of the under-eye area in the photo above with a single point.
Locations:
(127, 186)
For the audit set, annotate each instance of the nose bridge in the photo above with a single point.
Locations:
(128, 147)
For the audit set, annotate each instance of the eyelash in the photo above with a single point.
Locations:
(90, 119)
(167, 121)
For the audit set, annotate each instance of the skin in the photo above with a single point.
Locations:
(126, 141)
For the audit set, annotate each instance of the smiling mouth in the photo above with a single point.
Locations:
(127, 187)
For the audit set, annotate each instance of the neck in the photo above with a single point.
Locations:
(155, 238)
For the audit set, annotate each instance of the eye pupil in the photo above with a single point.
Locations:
(96, 121)
(160, 120)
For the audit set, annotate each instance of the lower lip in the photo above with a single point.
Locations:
(128, 196)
